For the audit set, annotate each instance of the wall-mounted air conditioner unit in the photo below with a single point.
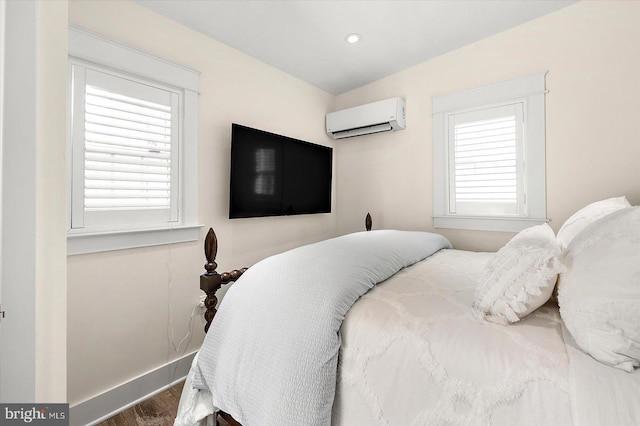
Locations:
(382, 116)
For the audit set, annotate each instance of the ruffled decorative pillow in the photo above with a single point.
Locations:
(520, 277)
(599, 294)
(586, 216)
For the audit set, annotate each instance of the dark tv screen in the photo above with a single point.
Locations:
(274, 175)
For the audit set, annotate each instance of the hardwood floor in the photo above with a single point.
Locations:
(159, 410)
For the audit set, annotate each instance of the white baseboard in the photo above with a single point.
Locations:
(112, 402)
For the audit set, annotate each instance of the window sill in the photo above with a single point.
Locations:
(504, 224)
(94, 242)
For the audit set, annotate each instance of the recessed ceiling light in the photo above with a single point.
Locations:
(353, 38)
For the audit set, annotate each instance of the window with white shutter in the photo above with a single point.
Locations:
(133, 148)
(128, 151)
(489, 157)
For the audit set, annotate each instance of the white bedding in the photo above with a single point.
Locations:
(601, 395)
(414, 354)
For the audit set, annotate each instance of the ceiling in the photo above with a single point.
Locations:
(306, 38)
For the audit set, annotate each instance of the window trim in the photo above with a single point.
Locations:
(531, 91)
(104, 53)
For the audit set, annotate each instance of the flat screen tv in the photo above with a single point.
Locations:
(274, 175)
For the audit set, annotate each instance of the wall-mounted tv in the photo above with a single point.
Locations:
(274, 175)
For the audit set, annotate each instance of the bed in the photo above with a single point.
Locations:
(429, 335)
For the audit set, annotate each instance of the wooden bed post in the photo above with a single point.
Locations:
(367, 222)
(211, 281)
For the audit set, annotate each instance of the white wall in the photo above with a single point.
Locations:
(33, 225)
(121, 303)
(18, 224)
(591, 52)
(50, 220)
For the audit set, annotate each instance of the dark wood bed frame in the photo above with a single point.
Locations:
(211, 281)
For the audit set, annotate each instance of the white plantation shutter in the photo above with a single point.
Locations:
(128, 160)
(486, 167)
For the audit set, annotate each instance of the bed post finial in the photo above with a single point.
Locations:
(211, 280)
(210, 250)
(367, 222)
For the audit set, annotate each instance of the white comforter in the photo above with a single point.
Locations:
(271, 354)
(414, 354)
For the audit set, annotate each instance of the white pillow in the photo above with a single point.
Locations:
(586, 216)
(520, 277)
(599, 294)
